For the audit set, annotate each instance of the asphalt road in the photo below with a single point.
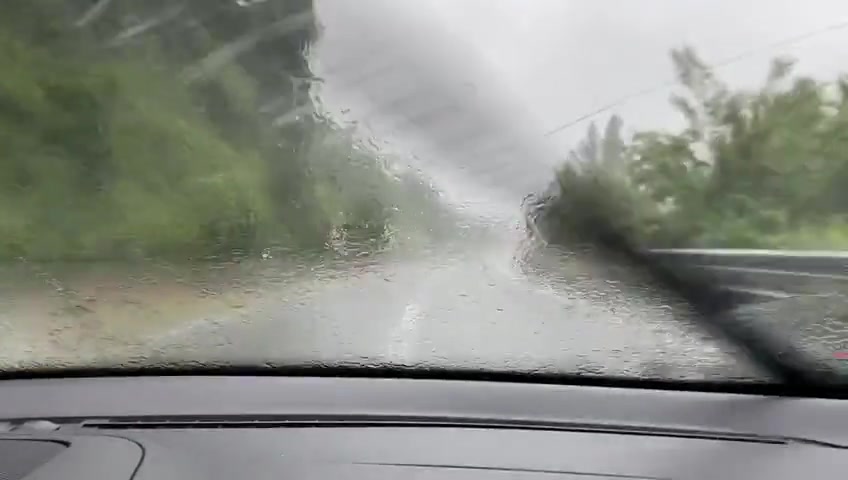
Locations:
(481, 302)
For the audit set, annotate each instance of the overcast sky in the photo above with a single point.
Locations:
(581, 54)
(574, 56)
(560, 59)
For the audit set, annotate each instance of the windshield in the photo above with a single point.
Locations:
(418, 183)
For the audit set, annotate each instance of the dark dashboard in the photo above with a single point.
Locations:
(309, 428)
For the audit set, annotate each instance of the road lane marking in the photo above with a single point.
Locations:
(405, 335)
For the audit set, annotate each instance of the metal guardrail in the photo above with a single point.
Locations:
(762, 275)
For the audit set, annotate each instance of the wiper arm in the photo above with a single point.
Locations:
(776, 354)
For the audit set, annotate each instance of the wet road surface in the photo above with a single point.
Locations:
(480, 307)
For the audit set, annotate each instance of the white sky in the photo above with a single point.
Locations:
(579, 55)
(537, 64)
(570, 57)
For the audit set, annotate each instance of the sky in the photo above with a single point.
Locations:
(579, 55)
(534, 65)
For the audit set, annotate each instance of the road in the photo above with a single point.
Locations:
(466, 305)
(485, 297)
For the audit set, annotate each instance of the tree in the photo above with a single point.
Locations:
(594, 184)
(148, 128)
(607, 150)
(762, 168)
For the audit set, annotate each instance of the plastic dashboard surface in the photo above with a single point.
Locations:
(309, 428)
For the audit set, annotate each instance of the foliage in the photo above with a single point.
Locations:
(165, 128)
(762, 168)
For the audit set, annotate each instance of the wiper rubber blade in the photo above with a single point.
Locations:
(714, 306)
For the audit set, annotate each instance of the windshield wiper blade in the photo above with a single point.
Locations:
(714, 306)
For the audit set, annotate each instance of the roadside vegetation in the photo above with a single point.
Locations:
(187, 130)
(174, 129)
(766, 168)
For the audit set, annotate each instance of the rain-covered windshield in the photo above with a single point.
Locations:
(413, 183)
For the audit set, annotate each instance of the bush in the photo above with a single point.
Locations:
(108, 150)
(761, 169)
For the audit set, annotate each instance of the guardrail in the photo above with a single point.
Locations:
(762, 275)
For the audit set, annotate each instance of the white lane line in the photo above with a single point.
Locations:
(405, 335)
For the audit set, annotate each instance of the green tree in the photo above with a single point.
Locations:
(181, 129)
(595, 183)
(761, 168)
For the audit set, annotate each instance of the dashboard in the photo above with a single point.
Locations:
(224, 427)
